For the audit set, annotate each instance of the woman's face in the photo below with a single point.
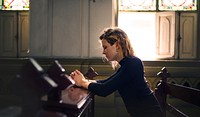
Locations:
(110, 51)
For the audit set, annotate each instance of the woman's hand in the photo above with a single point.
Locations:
(79, 79)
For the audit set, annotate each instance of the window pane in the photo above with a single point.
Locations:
(132, 5)
(15, 5)
(141, 29)
(180, 5)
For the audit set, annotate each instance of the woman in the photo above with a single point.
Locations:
(128, 80)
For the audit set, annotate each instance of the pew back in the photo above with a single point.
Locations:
(164, 89)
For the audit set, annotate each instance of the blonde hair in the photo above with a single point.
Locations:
(117, 35)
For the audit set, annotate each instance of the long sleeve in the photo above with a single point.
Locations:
(130, 82)
(130, 71)
(109, 85)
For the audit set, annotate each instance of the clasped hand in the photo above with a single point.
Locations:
(78, 77)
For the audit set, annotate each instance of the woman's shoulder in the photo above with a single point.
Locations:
(135, 63)
(130, 60)
(133, 59)
(132, 64)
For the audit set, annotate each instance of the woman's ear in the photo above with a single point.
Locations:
(118, 46)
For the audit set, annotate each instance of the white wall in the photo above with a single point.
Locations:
(68, 28)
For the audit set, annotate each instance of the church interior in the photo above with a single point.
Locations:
(64, 35)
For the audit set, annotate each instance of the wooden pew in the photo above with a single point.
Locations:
(30, 86)
(57, 73)
(67, 98)
(64, 99)
(164, 88)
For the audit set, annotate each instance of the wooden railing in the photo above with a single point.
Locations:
(164, 88)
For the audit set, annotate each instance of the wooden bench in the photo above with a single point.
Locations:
(164, 89)
(49, 93)
(67, 98)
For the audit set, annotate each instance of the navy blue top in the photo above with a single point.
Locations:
(130, 82)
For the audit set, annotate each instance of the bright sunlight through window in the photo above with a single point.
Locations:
(141, 29)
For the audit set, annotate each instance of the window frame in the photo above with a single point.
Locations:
(174, 46)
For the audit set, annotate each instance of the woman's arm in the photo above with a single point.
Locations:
(80, 80)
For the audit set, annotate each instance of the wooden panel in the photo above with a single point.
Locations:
(188, 43)
(165, 35)
(164, 45)
(7, 34)
(23, 31)
(187, 94)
